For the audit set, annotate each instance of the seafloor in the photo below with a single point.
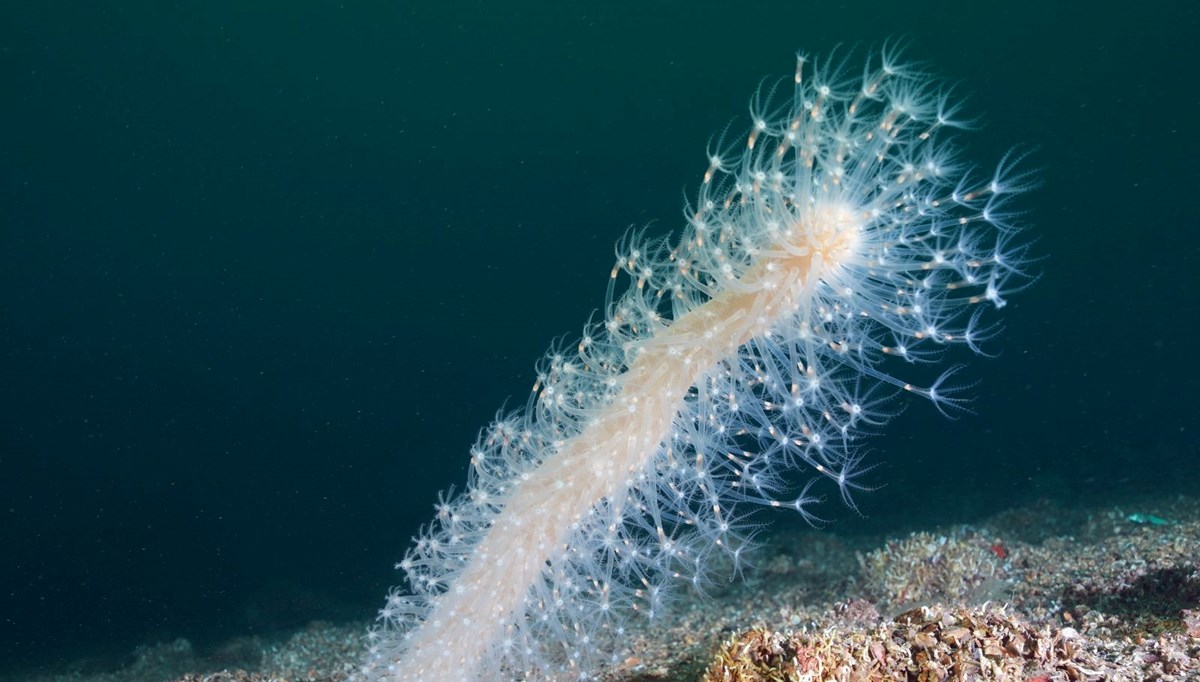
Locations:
(1037, 593)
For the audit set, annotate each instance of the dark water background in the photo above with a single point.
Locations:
(266, 267)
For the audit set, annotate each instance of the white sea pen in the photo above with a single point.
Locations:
(836, 244)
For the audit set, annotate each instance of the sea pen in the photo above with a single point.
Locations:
(835, 245)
